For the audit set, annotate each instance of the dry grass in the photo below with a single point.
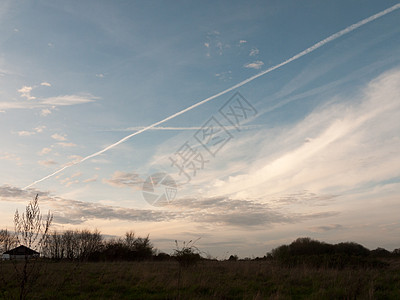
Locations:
(207, 280)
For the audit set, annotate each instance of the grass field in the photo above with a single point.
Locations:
(206, 280)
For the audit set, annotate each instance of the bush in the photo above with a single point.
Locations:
(233, 258)
(305, 251)
(187, 255)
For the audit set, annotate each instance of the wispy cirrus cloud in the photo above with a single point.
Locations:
(77, 174)
(224, 76)
(73, 179)
(45, 151)
(45, 103)
(47, 163)
(91, 179)
(67, 100)
(10, 157)
(215, 44)
(254, 52)
(66, 145)
(307, 51)
(254, 65)
(337, 147)
(122, 179)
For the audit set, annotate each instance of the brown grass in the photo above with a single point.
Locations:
(207, 280)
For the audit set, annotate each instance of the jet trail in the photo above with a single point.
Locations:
(181, 128)
(297, 56)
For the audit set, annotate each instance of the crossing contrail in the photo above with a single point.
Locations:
(159, 128)
(297, 56)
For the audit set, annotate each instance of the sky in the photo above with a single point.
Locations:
(243, 124)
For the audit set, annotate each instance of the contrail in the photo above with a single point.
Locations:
(159, 128)
(297, 56)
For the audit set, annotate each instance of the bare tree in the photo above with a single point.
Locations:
(32, 231)
(30, 228)
(88, 243)
(7, 241)
(69, 241)
(54, 247)
(130, 239)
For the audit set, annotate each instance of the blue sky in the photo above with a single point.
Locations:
(317, 155)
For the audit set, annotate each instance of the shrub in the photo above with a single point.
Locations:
(187, 255)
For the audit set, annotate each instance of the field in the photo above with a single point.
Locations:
(206, 280)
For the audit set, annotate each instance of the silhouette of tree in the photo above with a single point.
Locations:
(32, 231)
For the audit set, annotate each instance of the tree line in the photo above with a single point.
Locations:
(91, 245)
(87, 245)
(32, 230)
(306, 251)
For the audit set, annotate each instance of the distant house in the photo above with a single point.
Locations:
(20, 253)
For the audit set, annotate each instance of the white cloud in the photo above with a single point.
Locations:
(26, 92)
(47, 163)
(45, 151)
(92, 179)
(100, 161)
(77, 174)
(25, 89)
(66, 145)
(15, 105)
(59, 137)
(9, 156)
(341, 147)
(65, 100)
(45, 83)
(100, 75)
(242, 42)
(68, 184)
(224, 75)
(214, 44)
(45, 112)
(40, 129)
(254, 65)
(36, 130)
(123, 179)
(69, 100)
(26, 133)
(254, 52)
(75, 158)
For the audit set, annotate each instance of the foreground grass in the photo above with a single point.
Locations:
(207, 280)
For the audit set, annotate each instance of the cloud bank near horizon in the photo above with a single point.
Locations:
(220, 211)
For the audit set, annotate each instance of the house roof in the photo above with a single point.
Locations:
(21, 250)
